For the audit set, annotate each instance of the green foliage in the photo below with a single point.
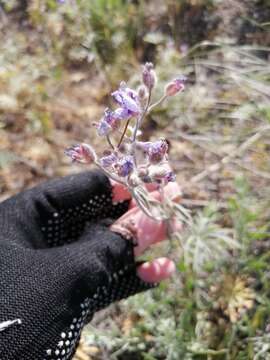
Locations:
(205, 241)
(242, 208)
(114, 24)
(116, 28)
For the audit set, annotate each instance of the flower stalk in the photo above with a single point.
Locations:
(131, 162)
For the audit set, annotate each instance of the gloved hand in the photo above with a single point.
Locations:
(60, 262)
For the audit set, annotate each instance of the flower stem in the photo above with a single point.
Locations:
(139, 203)
(164, 97)
(123, 134)
(143, 208)
(169, 220)
(112, 176)
(109, 141)
(140, 119)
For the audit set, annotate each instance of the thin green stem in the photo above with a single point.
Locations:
(231, 341)
(211, 352)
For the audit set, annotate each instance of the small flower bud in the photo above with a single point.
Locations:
(107, 152)
(149, 76)
(134, 180)
(149, 66)
(82, 153)
(157, 172)
(161, 174)
(146, 179)
(142, 171)
(175, 86)
(124, 148)
(143, 174)
(142, 92)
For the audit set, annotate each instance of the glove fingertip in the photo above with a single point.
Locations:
(157, 270)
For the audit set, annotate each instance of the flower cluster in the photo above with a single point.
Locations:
(128, 160)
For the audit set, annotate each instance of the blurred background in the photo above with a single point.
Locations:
(59, 62)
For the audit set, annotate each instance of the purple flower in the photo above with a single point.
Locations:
(177, 85)
(108, 160)
(109, 122)
(124, 166)
(103, 128)
(157, 150)
(82, 153)
(128, 99)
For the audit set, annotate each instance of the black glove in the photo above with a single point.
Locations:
(59, 263)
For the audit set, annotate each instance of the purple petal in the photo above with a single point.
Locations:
(111, 119)
(132, 93)
(130, 104)
(124, 166)
(103, 128)
(121, 114)
(128, 100)
(109, 160)
(117, 95)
